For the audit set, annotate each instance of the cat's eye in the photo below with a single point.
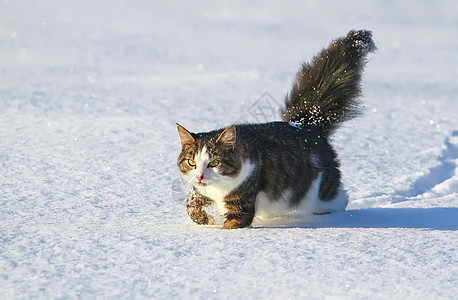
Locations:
(191, 163)
(213, 163)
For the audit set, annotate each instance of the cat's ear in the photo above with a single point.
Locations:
(228, 137)
(185, 136)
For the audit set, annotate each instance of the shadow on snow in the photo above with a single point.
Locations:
(438, 218)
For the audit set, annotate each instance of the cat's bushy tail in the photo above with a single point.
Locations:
(326, 91)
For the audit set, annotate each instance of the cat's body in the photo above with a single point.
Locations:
(273, 168)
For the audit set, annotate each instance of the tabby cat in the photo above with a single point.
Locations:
(274, 168)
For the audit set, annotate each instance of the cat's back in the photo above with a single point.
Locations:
(286, 135)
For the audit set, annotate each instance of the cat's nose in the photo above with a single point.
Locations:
(200, 177)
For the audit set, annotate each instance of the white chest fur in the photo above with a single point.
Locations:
(222, 186)
(216, 194)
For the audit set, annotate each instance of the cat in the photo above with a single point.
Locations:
(273, 168)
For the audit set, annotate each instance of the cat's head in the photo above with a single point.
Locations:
(209, 159)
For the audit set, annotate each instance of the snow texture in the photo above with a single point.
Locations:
(91, 204)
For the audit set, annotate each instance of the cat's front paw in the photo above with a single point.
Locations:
(199, 216)
(234, 224)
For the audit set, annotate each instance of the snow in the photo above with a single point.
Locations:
(91, 201)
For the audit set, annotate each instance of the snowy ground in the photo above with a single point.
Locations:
(90, 201)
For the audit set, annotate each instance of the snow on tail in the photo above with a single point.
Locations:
(325, 92)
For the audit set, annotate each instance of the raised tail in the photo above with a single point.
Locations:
(326, 91)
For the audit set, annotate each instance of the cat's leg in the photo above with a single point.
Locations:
(195, 206)
(331, 197)
(240, 211)
(330, 182)
(330, 173)
(240, 203)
